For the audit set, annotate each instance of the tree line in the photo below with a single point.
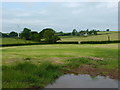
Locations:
(84, 32)
(47, 35)
(80, 33)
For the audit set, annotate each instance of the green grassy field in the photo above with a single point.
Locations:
(55, 52)
(13, 41)
(33, 66)
(102, 37)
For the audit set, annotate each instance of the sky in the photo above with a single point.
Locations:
(61, 16)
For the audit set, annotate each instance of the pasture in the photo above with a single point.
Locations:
(102, 36)
(35, 66)
(53, 58)
(58, 52)
(14, 41)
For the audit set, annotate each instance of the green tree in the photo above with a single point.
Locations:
(0, 34)
(61, 33)
(74, 32)
(34, 36)
(25, 34)
(95, 32)
(48, 35)
(107, 29)
(4, 35)
(13, 34)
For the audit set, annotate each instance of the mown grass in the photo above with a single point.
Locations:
(56, 52)
(102, 37)
(14, 41)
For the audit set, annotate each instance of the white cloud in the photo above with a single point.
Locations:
(60, 0)
(112, 5)
(24, 21)
(108, 5)
(72, 4)
(62, 16)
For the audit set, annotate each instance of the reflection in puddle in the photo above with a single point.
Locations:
(83, 81)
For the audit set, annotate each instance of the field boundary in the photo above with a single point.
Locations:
(43, 43)
(99, 42)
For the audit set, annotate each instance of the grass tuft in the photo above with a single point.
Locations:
(27, 75)
(77, 62)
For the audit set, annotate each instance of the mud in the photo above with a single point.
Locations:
(87, 69)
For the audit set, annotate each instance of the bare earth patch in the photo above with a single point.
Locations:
(92, 58)
(87, 69)
(58, 60)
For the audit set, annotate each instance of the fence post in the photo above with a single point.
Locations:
(108, 38)
(79, 42)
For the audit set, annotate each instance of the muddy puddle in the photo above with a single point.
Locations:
(83, 81)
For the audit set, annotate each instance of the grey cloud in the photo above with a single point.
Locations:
(63, 16)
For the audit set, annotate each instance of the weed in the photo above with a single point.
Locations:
(27, 75)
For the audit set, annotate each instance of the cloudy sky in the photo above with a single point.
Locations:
(59, 16)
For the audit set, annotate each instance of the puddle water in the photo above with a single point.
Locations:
(83, 81)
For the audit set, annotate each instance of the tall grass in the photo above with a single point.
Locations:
(28, 75)
(76, 62)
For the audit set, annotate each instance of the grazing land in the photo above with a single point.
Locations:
(102, 36)
(14, 41)
(38, 65)
(39, 44)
